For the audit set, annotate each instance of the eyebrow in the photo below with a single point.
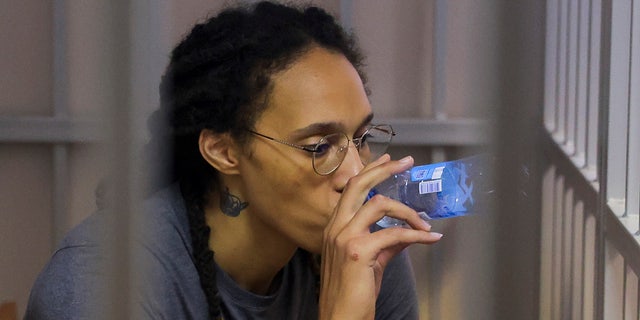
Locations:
(325, 127)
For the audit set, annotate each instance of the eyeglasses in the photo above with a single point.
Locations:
(329, 152)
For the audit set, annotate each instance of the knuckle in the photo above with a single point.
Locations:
(354, 182)
(380, 199)
(383, 202)
(341, 240)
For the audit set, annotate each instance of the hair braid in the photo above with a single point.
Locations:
(202, 254)
(217, 79)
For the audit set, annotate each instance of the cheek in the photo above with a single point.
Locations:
(288, 186)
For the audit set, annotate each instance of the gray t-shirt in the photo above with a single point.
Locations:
(167, 285)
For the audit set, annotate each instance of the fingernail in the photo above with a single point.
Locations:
(406, 159)
(426, 225)
(436, 234)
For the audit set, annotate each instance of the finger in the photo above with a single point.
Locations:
(385, 255)
(382, 159)
(384, 244)
(379, 206)
(359, 186)
(341, 204)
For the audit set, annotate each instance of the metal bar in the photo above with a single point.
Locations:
(546, 245)
(630, 294)
(346, 14)
(614, 284)
(439, 76)
(637, 294)
(618, 236)
(51, 130)
(567, 251)
(595, 8)
(412, 131)
(551, 72)
(60, 194)
(603, 137)
(582, 69)
(590, 274)
(618, 104)
(571, 84)
(559, 73)
(557, 248)
(119, 219)
(633, 148)
(60, 84)
(577, 273)
(450, 132)
(566, 167)
(561, 133)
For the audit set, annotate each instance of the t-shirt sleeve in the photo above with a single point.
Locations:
(66, 287)
(398, 298)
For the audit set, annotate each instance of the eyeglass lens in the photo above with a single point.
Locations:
(332, 149)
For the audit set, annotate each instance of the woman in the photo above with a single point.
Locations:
(274, 152)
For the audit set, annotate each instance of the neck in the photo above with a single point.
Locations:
(249, 251)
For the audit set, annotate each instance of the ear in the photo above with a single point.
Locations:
(219, 150)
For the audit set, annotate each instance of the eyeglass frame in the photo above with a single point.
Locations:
(356, 142)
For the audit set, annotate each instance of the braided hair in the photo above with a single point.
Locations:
(216, 79)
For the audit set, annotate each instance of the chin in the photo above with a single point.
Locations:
(313, 244)
(315, 250)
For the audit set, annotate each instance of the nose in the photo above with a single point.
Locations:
(352, 163)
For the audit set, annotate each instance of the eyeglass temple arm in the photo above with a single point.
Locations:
(357, 141)
(283, 142)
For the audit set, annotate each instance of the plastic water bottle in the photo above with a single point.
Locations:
(441, 190)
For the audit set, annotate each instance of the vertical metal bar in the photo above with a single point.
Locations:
(118, 294)
(637, 293)
(551, 70)
(346, 14)
(582, 68)
(60, 206)
(60, 85)
(546, 245)
(439, 78)
(571, 85)
(595, 12)
(148, 33)
(558, 58)
(561, 133)
(618, 104)
(633, 148)
(567, 252)
(603, 137)
(630, 294)
(577, 273)
(614, 283)
(556, 294)
(590, 268)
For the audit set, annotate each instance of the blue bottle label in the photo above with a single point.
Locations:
(427, 172)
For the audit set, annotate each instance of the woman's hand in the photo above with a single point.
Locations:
(353, 258)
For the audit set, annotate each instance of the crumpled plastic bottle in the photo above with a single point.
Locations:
(442, 190)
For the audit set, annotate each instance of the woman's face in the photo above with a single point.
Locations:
(321, 93)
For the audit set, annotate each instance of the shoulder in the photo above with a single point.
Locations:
(398, 298)
(62, 289)
(167, 283)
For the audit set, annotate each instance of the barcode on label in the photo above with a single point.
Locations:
(430, 186)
